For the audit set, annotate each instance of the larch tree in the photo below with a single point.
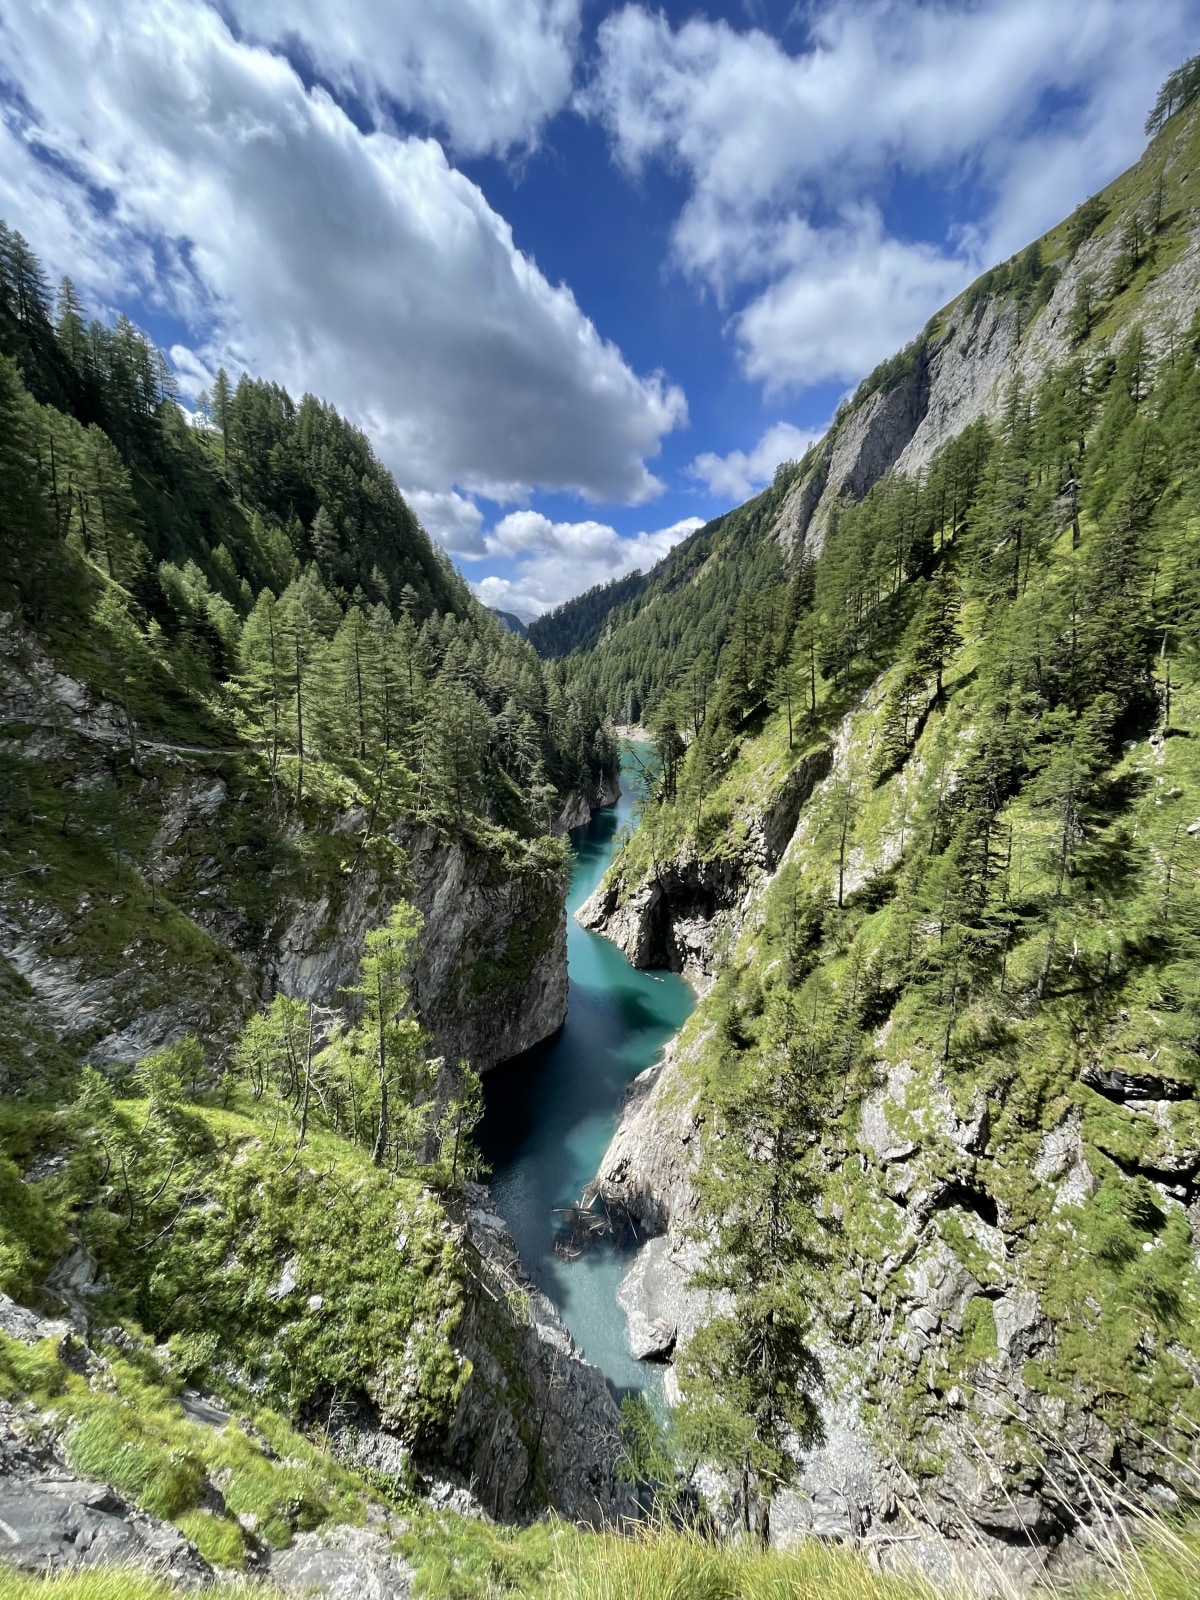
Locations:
(749, 1376)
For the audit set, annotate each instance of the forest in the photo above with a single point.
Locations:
(249, 569)
(983, 645)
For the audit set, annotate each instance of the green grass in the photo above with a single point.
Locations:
(130, 1430)
(471, 1561)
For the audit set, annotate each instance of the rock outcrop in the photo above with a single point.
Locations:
(537, 1422)
(961, 370)
(535, 1425)
(252, 900)
(681, 913)
(578, 808)
(491, 977)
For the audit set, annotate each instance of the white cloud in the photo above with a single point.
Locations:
(1027, 103)
(846, 298)
(488, 72)
(735, 477)
(450, 518)
(361, 266)
(555, 560)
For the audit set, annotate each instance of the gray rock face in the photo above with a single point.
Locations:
(937, 1289)
(51, 1523)
(536, 1420)
(342, 1563)
(646, 1297)
(647, 1171)
(491, 979)
(963, 374)
(536, 1425)
(677, 916)
(578, 809)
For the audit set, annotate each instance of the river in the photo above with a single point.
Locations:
(550, 1113)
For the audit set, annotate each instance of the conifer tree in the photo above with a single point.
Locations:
(390, 1037)
(748, 1376)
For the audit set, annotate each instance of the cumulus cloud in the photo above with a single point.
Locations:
(488, 72)
(735, 477)
(786, 154)
(845, 298)
(555, 560)
(449, 517)
(149, 148)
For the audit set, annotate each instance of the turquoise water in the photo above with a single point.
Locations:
(550, 1113)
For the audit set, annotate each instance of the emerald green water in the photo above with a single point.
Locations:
(550, 1113)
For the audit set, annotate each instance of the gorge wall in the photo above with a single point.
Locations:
(236, 898)
(957, 1389)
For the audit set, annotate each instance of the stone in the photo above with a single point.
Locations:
(20, 1323)
(1021, 1329)
(203, 1408)
(54, 1523)
(939, 1285)
(72, 1280)
(286, 1282)
(877, 1135)
(342, 1563)
(647, 1294)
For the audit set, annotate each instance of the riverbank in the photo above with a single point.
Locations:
(551, 1113)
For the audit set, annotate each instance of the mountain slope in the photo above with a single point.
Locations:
(248, 704)
(277, 871)
(1128, 255)
(932, 831)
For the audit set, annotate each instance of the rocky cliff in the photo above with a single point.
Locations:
(969, 1321)
(175, 896)
(974, 351)
(680, 913)
(578, 809)
(535, 1427)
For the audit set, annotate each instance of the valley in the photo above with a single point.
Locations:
(710, 1079)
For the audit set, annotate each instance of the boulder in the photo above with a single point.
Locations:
(51, 1523)
(342, 1563)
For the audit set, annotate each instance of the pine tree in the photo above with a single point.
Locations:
(749, 1374)
(264, 662)
(26, 530)
(222, 410)
(128, 656)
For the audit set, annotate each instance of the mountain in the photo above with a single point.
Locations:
(279, 875)
(927, 840)
(1125, 257)
(510, 622)
(579, 623)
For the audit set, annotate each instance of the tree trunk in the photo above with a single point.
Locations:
(381, 1131)
(764, 1523)
(308, 1057)
(299, 726)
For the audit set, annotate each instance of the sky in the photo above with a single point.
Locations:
(585, 273)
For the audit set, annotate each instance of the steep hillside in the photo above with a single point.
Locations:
(278, 878)
(930, 842)
(1129, 255)
(247, 705)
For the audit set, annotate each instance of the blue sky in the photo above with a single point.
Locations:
(585, 272)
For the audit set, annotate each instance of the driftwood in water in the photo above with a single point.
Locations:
(590, 1221)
